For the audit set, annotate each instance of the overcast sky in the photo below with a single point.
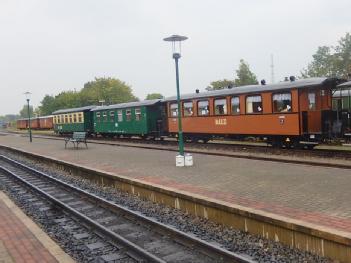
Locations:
(49, 46)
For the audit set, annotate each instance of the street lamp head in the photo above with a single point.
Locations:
(176, 44)
(27, 94)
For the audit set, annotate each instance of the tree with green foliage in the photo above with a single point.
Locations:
(343, 56)
(110, 90)
(323, 64)
(154, 96)
(244, 75)
(331, 61)
(47, 105)
(220, 84)
(65, 99)
(24, 111)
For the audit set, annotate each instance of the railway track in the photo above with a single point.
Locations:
(216, 144)
(316, 157)
(120, 234)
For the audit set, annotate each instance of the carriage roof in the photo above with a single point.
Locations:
(285, 85)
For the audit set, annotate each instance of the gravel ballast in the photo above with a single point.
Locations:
(259, 249)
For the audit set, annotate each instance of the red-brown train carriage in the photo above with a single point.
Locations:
(46, 122)
(290, 113)
(37, 123)
(22, 124)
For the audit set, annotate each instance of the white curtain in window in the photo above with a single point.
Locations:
(312, 97)
(220, 102)
(283, 96)
(235, 101)
(203, 103)
(253, 99)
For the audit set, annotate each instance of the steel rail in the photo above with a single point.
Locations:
(225, 255)
(248, 155)
(113, 236)
(240, 146)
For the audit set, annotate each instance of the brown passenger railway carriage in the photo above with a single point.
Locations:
(290, 112)
(37, 123)
(46, 122)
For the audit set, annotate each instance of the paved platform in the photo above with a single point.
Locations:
(21, 240)
(317, 195)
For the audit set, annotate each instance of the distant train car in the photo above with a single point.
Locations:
(342, 109)
(286, 113)
(34, 122)
(46, 122)
(143, 119)
(67, 121)
(37, 123)
(22, 124)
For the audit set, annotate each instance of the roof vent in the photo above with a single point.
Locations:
(197, 91)
(292, 78)
(230, 86)
(286, 79)
(263, 82)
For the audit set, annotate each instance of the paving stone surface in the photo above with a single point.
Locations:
(317, 195)
(19, 240)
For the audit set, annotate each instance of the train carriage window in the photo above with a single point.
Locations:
(254, 104)
(137, 114)
(80, 117)
(119, 115)
(220, 106)
(174, 109)
(112, 116)
(235, 105)
(66, 118)
(128, 115)
(61, 118)
(311, 100)
(282, 102)
(188, 109)
(70, 118)
(104, 116)
(98, 116)
(203, 108)
(75, 117)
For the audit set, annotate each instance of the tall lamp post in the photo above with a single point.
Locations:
(176, 49)
(29, 124)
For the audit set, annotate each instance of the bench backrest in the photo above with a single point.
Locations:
(79, 135)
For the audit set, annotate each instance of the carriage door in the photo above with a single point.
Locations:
(304, 122)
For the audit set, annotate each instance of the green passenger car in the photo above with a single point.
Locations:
(74, 120)
(144, 119)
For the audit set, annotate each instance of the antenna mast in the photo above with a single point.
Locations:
(272, 69)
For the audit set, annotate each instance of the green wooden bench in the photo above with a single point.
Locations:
(76, 139)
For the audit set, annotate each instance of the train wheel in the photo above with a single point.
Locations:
(277, 144)
(310, 147)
